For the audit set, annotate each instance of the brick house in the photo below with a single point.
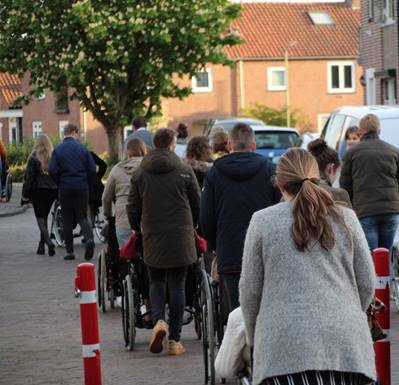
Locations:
(320, 41)
(10, 117)
(379, 50)
(317, 42)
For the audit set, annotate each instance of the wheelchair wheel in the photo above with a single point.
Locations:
(128, 313)
(102, 281)
(57, 227)
(395, 282)
(8, 188)
(99, 222)
(208, 330)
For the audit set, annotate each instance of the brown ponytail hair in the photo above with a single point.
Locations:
(298, 174)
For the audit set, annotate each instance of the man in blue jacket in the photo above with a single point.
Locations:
(237, 185)
(71, 165)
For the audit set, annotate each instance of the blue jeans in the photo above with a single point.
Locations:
(122, 235)
(380, 231)
(175, 280)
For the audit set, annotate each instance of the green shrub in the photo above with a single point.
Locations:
(17, 171)
(274, 116)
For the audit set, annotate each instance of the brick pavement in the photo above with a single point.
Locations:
(14, 205)
(40, 342)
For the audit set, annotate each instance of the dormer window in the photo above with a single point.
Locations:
(321, 18)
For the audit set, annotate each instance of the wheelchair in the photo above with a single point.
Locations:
(395, 270)
(110, 269)
(135, 292)
(213, 321)
(6, 192)
(56, 230)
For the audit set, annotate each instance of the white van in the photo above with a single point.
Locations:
(344, 117)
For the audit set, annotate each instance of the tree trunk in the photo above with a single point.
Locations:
(114, 135)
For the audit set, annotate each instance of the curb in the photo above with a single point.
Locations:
(17, 211)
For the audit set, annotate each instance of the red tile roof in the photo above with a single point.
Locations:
(268, 28)
(10, 87)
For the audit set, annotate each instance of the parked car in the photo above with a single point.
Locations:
(305, 138)
(344, 117)
(272, 141)
(228, 123)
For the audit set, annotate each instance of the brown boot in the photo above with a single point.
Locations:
(175, 348)
(158, 334)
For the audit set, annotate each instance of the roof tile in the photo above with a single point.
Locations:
(269, 28)
(10, 87)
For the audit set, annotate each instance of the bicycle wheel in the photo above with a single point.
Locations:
(395, 282)
(99, 222)
(208, 330)
(8, 187)
(56, 227)
(124, 310)
(131, 318)
(102, 281)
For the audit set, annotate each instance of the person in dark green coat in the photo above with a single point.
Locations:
(163, 204)
(370, 174)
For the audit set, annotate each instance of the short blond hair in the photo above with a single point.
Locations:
(369, 124)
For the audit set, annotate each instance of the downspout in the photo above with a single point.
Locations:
(242, 97)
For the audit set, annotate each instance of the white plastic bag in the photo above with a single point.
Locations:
(229, 360)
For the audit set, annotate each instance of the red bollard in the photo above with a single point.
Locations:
(85, 288)
(383, 348)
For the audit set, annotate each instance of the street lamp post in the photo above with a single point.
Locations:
(287, 88)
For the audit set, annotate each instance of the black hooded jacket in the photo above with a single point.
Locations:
(238, 185)
(164, 203)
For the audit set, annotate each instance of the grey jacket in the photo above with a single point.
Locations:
(306, 310)
(117, 189)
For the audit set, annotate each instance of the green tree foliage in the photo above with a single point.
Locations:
(275, 116)
(119, 56)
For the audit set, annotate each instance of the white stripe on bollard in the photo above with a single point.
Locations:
(381, 282)
(88, 351)
(88, 297)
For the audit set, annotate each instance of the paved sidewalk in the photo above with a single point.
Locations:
(13, 207)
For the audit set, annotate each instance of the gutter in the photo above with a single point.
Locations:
(297, 58)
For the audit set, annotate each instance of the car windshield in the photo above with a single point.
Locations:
(275, 139)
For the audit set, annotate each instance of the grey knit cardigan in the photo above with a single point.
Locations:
(305, 310)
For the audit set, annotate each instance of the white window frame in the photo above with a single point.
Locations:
(388, 17)
(272, 87)
(12, 125)
(320, 120)
(341, 89)
(370, 9)
(198, 89)
(126, 130)
(61, 125)
(37, 129)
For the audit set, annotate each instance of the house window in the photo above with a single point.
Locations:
(37, 129)
(276, 79)
(370, 6)
(321, 18)
(61, 125)
(388, 11)
(341, 77)
(61, 103)
(202, 81)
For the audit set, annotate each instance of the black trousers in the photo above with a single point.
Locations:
(230, 283)
(74, 205)
(42, 200)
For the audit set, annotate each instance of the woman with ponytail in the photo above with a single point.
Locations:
(329, 165)
(307, 279)
(41, 189)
